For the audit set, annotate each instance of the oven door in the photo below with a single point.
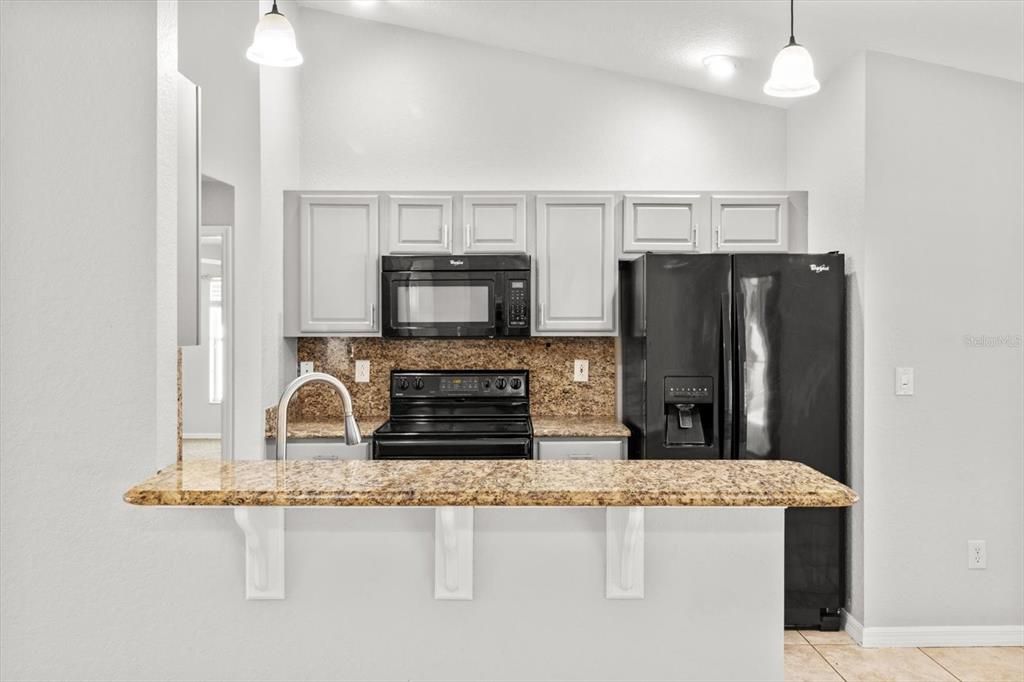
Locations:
(440, 304)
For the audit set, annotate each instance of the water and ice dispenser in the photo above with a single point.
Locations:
(689, 411)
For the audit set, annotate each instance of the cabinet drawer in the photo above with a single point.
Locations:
(579, 449)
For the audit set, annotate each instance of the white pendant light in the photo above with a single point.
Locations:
(273, 42)
(792, 70)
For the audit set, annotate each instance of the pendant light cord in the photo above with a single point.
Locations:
(273, 10)
(792, 39)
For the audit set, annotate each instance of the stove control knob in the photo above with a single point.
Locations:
(499, 383)
(403, 383)
(487, 383)
(515, 384)
(418, 384)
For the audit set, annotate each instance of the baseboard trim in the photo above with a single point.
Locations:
(200, 436)
(942, 635)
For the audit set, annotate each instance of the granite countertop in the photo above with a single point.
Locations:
(554, 426)
(544, 426)
(655, 483)
(321, 427)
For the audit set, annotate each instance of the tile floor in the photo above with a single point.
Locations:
(813, 656)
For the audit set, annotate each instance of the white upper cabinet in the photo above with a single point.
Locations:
(338, 253)
(750, 222)
(494, 223)
(664, 222)
(575, 264)
(420, 224)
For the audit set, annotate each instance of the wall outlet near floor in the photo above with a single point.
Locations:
(977, 556)
(305, 368)
(362, 371)
(904, 381)
(581, 370)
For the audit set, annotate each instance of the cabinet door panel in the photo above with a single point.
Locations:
(420, 224)
(575, 263)
(494, 223)
(751, 222)
(665, 222)
(338, 263)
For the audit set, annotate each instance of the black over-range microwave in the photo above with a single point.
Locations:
(471, 296)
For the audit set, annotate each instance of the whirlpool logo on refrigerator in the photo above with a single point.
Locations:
(818, 268)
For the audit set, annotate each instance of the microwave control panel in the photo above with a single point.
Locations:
(517, 297)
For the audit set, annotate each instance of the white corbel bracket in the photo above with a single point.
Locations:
(624, 553)
(453, 553)
(264, 551)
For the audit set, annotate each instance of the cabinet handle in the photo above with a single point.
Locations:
(447, 235)
(581, 457)
(373, 315)
(718, 238)
(696, 237)
(465, 238)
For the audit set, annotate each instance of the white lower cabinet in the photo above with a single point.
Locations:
(320, 448)
(579, 448)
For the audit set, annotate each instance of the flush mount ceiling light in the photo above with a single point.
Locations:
(273, 42)
(792, 70)
(720, 66)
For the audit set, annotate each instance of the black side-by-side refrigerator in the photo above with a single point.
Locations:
(743, 356)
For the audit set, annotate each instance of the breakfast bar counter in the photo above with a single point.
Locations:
(504, 483)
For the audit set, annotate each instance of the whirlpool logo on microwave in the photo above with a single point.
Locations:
(456, 262)
(818, 268)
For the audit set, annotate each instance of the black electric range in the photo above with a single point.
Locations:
(457, 414)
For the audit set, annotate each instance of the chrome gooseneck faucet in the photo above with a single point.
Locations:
(352, 436)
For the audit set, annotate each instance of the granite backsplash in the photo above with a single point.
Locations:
(549, 360)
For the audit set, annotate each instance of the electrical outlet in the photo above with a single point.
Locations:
(977, 556)
(305, 368)
(904, 381)
(581, 370)
(362, 371)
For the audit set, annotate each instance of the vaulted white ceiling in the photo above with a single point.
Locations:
(666, 40)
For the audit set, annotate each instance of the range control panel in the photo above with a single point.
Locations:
(689, 390)
(460, 384)
(517, 297)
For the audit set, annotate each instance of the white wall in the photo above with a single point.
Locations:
(213, 37)
(944, 218)
(280, 132)
(916, 172)
(826, 153)
(384, 106)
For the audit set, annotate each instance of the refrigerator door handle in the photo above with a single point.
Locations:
(741, 379)
(727, 379)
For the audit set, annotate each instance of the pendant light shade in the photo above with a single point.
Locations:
(793, 69)
(273, 42)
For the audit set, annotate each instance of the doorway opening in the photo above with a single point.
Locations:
(207, 369)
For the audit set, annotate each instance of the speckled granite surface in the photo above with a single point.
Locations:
(322, 427)
(707, 483)
(549, 359)
(548, 426)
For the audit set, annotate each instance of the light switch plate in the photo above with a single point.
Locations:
(904, 381)
(362, 371)
(305, 368)
(581, 371)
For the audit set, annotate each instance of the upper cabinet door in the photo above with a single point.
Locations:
(420, 224)
(494, 223)
(338, 250)
(575, 263)
(663, 222)
(750, 222)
